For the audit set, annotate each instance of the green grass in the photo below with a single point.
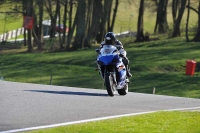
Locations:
(159, 122)
(157, 64)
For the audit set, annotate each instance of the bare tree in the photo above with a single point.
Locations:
(175, 4)
(111, 26)
(140, 35)
(187, 22)
(65, 3)
(95, 20)
(197, 36)
(29, 10)
(81, 25)
(88, 31)
(38, 28)
(53, 16)
(72, 24)
(104, 19)
(176, 29)
(24, 12)
(161, 19)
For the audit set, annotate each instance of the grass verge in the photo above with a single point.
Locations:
(157, 64)
(159, 122)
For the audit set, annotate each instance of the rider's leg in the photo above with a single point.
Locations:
(126, 62)
(100, 69)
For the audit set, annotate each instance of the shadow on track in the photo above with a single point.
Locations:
(69, 93)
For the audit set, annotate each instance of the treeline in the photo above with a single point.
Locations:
(89, 20)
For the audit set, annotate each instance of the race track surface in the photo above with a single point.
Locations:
(24, 105)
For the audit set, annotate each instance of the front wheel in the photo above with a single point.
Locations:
(110, 84)
(124, 90)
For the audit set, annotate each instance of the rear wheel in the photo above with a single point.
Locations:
(124, 90)
(110, 84)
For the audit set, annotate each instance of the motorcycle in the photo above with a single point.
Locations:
(112, 70)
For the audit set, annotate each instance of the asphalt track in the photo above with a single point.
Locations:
(25, 105)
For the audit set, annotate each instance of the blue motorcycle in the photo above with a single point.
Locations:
(112, 70)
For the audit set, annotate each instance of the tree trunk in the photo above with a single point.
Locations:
(109, 11)
(24, 11)
(64, 21)
(114, 15)
(104, 19)
(59, 24)
(140, 35)
(176, 30)
(174, 9)
(30, 14)
(187, 22)
(37, 30)
(161, 19)
(81, 25)
(71, 25)
(197, 36)
(96, 20)
(52, 16)
(40, 28)
(88, 31)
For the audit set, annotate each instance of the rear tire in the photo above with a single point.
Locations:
(124, 90)
(110, 85)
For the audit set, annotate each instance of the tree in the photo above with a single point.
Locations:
(140, 35)
(80, 25)
(197, 36)
(187, 22)
(175, 4)
(65, 3)
(176, 29)
(161, 19)
(38, 28)
(53, 16)
(95, 20)
(111, 25)
(106, 6)
(88, 31)
(29, 12)
(71, 24)
(98, 13)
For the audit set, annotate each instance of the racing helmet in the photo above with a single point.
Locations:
(110, 38)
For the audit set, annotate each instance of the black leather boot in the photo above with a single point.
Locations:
(128, 73)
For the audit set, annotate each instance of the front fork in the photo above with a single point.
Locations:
(113, 73)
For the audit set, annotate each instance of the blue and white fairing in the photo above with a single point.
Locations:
(109, 55)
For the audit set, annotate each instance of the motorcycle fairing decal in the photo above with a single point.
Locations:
(121, 68)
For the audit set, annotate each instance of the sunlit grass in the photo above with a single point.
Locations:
(160, 122)
(157, 64)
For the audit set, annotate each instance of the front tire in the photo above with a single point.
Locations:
(110, 85)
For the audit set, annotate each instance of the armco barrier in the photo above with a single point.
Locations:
(11, 34)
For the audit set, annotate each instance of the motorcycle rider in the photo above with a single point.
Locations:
(110, 38)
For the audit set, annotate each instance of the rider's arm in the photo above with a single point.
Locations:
(102, 44)
(120, 48)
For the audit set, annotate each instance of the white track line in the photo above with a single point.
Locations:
(91, 120)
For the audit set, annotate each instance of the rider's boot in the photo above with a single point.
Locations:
(128, 73)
